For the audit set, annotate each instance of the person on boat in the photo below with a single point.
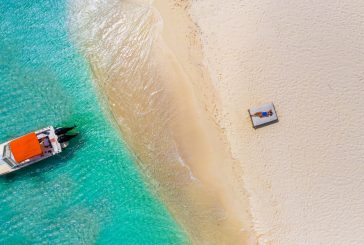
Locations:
(263, 114)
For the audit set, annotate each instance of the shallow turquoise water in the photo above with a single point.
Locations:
(91, 194)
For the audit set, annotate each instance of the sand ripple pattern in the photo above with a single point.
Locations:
(121, 39)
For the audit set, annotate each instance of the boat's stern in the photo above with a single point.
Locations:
(47, 137)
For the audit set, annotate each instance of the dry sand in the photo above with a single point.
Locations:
(148, 63)
(184, 112)
(304, 174)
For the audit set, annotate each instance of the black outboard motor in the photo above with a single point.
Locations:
(60, 131)
(65, 138)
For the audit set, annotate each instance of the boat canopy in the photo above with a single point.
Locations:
(25, 147)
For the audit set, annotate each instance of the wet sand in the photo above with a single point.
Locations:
(147, 61)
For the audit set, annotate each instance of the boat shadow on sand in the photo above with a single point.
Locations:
(50, 164)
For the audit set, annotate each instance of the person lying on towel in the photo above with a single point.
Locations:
(263, 114)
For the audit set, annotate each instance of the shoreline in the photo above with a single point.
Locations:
(187, 48)
(164, 105)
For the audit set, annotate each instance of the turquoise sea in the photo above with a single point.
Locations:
(91, 194)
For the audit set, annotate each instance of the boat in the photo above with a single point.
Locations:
(33, 147)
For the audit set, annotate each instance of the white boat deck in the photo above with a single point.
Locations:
(48, 142)
(4, 168)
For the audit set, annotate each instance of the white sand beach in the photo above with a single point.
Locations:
(304, 174)
(180, 76)
(162, 100)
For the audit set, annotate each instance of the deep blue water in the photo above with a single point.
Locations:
(91, 194)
